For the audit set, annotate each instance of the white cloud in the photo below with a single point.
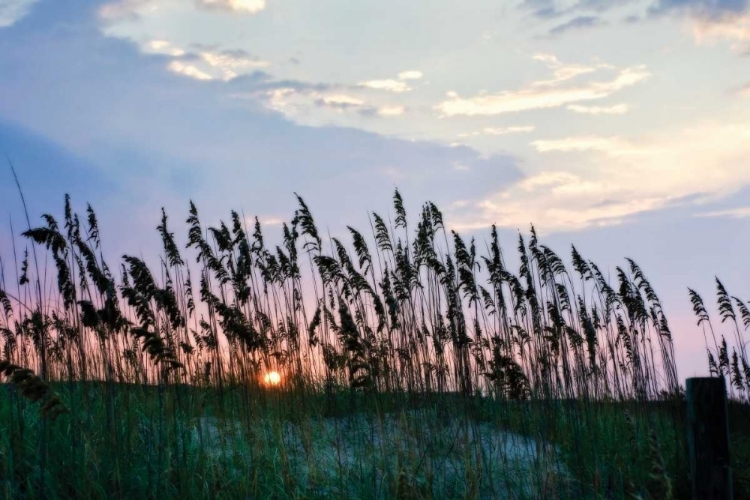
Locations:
(618, 109)
(562, 72)
(306, 105)
(499, 131)
(410, 75)
(637, 175)
(313, 107)
(122, 9)
(281, 100)
(735, 213)
(13, 10)
(735, 29)
(228, 60)
(389, 85)
(270, 221)
(546, 93)
(162, 47)
(614, 146)
(341, 100)
(223, 65)
(391, 110)
(230, 63)
(188, 70)
(546, 179)
(249, 6)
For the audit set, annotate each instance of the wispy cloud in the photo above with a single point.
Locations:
(499, 131)
(397, 85)
(270, 221)
(339, 101)
(744, 91)
(248, 6)
(563, 72)
(206, 63)
(613, 146)
(391, 110)
(577, 23)
(305, 104)
(734, 213)
(162, 47)
(389, 85)
(640, 175)
(410, 75)
(188, 70)
(735, 29)
(230, 63)
(617, 109)
(118, 10)
(552, 9)
(707, 9)
(555, 201)
(13, 10)
(546, 93)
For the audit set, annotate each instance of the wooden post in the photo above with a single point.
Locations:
(708, 438)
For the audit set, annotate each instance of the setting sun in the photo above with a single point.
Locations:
(272, 378)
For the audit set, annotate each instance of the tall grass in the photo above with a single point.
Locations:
(412, 367)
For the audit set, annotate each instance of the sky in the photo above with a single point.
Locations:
(619, 126)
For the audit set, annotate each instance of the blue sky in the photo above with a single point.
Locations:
(620, 126)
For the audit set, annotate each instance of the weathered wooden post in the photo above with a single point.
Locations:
(708, 438)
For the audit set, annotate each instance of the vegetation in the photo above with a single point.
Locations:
(409, 366)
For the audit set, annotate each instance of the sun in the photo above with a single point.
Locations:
(272, 378)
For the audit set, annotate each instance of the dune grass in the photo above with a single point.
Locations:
(411, 366)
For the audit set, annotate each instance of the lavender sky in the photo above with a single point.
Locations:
(620, 126)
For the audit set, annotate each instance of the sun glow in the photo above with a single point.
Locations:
(272, 379)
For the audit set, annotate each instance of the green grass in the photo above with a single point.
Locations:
(412, 367)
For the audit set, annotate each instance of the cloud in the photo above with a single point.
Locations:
(188, 70)
(543, 94)
(119, 10)
(735, 29)
(339, 101)
(306, 104)
(617, 109)
(706, 9)
(162, 47)
(389, 85)
(248, 6)
(543, 9)
(410, 75)
(130, 119)
(552, 205)
(734, 213)
(499, 131)
(577, 23)
(612, 179)
(398, 86)
(13, 10)
(208, 63)
(391, 110)
(552, 9)
(230, 63)
(268, 221)
(614, 146)
(712, 20)
(744, 91)
(562, 72)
